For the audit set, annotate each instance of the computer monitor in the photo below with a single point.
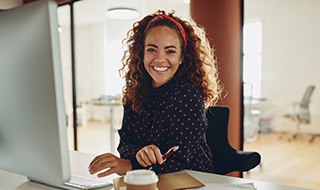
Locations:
(33, 140)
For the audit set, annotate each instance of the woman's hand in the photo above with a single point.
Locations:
(149, 155)
(108, 164)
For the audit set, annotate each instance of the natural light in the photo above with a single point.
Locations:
(252, 48)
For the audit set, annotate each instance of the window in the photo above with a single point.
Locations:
(252, 48)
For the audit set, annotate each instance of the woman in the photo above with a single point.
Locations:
(170, 81)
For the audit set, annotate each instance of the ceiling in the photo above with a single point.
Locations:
(89, 11)
(94, 10)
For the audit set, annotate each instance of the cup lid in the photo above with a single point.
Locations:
(140, 177)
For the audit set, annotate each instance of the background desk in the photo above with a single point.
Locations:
(79, 165)
(108, 113)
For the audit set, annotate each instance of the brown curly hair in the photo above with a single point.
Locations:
(199, 63)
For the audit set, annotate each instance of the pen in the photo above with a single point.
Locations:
(168, 153)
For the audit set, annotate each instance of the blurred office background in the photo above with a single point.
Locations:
(280, 48)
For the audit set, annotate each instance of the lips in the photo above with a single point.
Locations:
(160, 69)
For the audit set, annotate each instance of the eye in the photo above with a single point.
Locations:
(150, 49)
(171, 51)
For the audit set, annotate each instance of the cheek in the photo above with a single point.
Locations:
(175, 62)
(146, 59)
(145, 62)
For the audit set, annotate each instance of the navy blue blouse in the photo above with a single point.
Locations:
(175, 115)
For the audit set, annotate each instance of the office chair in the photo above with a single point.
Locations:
(301, 113)
(225, 158)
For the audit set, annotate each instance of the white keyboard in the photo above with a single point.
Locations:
(81, 182)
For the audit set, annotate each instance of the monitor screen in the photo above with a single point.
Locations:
(33, 139)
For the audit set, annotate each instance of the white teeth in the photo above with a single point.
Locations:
(160, 68)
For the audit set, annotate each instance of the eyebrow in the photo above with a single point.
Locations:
(167, 47)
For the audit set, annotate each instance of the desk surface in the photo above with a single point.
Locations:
(79, 165)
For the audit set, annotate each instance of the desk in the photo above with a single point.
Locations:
(108, 109)
(251, 118)
(80, 161)
(90, 106)
(208, 178)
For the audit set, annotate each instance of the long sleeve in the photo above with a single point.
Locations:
(187, 126)
(128, 146)
(174, 115)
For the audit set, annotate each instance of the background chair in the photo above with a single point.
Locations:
(225, 158)
(301, 113)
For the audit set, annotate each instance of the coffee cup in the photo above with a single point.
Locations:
(141, 179)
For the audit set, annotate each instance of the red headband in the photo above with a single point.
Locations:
(181, 29)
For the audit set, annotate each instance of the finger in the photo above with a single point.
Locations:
(101, 164)
(151, 155)
(99, 167)
(145, 157)
(140, 159)
(158, 156)
(97, 162)
(107, 166)
(93, 161)
(107, 172)
(99, 158)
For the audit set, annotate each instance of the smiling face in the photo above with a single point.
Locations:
(162, 54)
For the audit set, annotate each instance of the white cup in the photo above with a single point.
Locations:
(141, 179)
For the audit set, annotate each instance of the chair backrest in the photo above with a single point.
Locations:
(307, 94)
(225, 158)
(217, 131)
(303, 112)
(217, 137)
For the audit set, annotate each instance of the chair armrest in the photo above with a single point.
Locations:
(248, 159)
(236, 160)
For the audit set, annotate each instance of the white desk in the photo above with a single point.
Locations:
(79, 165)
(88, 108)
(208, 178)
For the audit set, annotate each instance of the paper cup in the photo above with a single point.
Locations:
(141, 179)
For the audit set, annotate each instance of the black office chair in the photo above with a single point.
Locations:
(225, 158)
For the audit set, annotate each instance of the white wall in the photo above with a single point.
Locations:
(290, 55)
(116, 31)
(89, 60)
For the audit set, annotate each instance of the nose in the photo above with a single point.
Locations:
(160, 57)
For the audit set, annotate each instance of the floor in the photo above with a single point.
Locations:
(95, 138)
(295, 163)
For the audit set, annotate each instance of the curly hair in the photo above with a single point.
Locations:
(199, 62)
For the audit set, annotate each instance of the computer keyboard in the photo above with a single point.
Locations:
(85, 183)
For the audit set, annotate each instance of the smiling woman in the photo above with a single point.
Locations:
(97, 60)
(171, 79)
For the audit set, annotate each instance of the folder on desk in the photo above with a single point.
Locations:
(170, 181)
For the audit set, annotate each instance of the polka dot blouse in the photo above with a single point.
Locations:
(175, 115)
